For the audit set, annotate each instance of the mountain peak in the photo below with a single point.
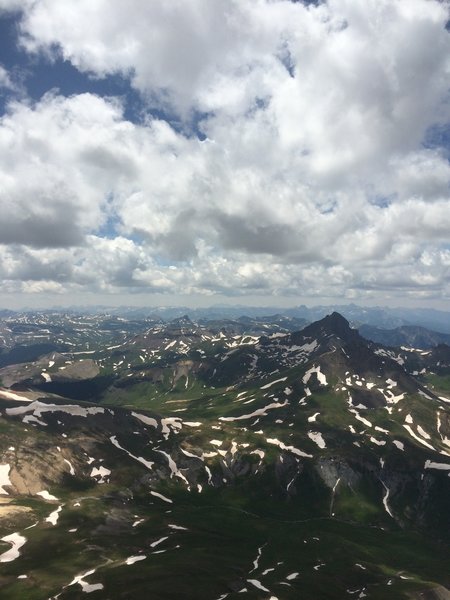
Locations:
(335, 319)
(184, 320)
(332, 324)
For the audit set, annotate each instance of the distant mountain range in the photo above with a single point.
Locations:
(381, 317)
(407, 335)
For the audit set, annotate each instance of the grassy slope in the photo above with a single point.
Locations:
(216, 554)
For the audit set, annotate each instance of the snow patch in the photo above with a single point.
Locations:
(146, 420)
(260, 412)
(38, 408)
(178, 527)
(45, 494)
(429, 464)
(362, 419)
(316, 437)
(258, 585)
(161, 497)
(320, 376)
(377, 442)
(160, 541)
(133, 559)
(146, 463)
(86, 587)
(54, 516)
(268, 385)
(385, 500)
(101, 472)
(417, 438)
(71, 469)
(170, 424)
(4, 478)
(283, 446)
(13, 396)
(17, 541)
(173, 467)
(313, 418)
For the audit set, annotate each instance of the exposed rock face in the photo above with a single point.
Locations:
(37, 465)
(334, 469)
(39, 372)
(10, 512)
(334, 324)
(83, 369)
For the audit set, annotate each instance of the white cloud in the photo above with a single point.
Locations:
(5, 79)
(53, 185)
(313, 176)
(14, 5)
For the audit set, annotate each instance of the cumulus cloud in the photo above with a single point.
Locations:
(313, 176)
(53, 187)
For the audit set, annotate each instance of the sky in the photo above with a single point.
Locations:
(194, 152)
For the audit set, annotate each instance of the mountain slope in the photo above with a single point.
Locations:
(308, 464)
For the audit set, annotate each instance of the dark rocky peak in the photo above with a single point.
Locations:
(184, 320)
(332, 325)
(440, 353)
